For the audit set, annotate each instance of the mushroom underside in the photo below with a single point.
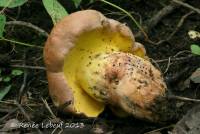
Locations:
(89, 46)
(107, 60)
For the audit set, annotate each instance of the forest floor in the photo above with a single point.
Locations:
(166, 23)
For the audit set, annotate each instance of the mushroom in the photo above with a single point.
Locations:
(93, 61)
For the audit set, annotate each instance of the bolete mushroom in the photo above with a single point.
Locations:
(92, 61)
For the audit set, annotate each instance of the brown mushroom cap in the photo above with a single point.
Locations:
(75, 33)
(74, 49)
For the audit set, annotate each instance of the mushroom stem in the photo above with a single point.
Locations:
(123, 80)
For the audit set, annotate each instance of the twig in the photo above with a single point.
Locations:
(26, 115)
(48, 108)
(155, 63)
(159, 129)
(23, 111)
(123, 15)
(183, 98)
(180, 23)
(2, 11)
(20, 43)
(158, 17)
(7, 115)
(28, 104)
(168, 65)
(59, 132)
(21, 90)
(29, 25)
(5, 110)
(174, 59)
(29, 67)
(186, 5)
(162, 13)
(182, 52)
(54, 130)
(8, 102)
(129, 15)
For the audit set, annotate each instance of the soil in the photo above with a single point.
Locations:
(32, 109)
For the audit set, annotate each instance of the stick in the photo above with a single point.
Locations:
(174, 59)
(21, 90)
(184, 98)
(180, 23)
(26, 115)
(29, 67)
(7, 115)
(158, 17)
(48, 108)
(186, 5)
(29, 25)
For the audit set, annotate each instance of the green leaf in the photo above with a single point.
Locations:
(4, 91)
(55, 10)
(16, 72)
(12, 3)
(2, 24)
(6, 79)
(77, 3)
(195, 49)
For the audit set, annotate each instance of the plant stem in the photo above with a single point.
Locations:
(1, 12)
(20, 43)
(29, 25)
(132, 18)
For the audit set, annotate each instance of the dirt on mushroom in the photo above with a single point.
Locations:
(171, 56)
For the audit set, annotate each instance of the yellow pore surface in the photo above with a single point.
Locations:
(89, 45)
